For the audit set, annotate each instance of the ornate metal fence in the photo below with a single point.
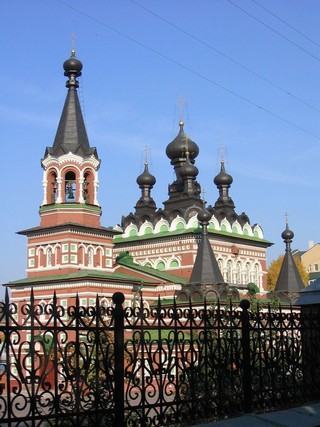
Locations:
(167, 365)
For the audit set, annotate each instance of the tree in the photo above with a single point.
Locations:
(274, 271)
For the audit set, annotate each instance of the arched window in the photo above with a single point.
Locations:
(229, 271)
(88, 188)
(148, 230)
(160, 266)
(133, 232)
(49, 257)
(174, 264)
(90, 257)
(238, 273)
(52, 188)
(70, 187)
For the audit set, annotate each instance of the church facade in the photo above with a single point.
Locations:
(154, 250)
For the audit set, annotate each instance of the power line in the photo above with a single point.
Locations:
(273, 30)
(196, 73)
(286, 23)
(226, 56)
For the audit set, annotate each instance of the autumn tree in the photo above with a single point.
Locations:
(274, 271)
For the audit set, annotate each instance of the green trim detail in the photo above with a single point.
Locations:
(66, 206)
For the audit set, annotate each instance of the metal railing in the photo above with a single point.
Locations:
(164, 365)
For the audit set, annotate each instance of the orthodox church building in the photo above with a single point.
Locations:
(154, 250)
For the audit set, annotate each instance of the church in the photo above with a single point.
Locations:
(153, 252)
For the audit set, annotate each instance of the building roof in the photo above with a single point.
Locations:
(206, 269)
(71, 136)
(289, 280)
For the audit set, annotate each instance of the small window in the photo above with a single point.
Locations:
(148, 230)
(31, 252)
(174, 264)
(160, 266)
(73, 247)
(73, 259)
(316, 267)
(65, 259)
(65, 247)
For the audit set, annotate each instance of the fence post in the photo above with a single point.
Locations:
(245, 340)
(118, 299)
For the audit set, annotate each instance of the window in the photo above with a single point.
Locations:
(160, 266)
(49, 257)
(31, 263)
(73, 259)
(316, 267)
(90, 257)
(108, 252)
(73, 247)
(70, 187)
(174, 264)
(31, 252)
(65, 247)
(65, 259)
(108, 263)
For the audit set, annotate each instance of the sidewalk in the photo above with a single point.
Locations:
(307, 415)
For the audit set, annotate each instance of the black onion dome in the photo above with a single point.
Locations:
(287, 234)
(72, 65)
(146, 178)
(223, 178)
(180, 145)
(204, 216)
(188, 170)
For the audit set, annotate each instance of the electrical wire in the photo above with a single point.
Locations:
(273, 30)
(227, 56)
(286, 23)
(190, 70)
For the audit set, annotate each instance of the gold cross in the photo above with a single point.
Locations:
(222, 151)
(146, 149)
(73, 43)
(286, 215)
(180, 103)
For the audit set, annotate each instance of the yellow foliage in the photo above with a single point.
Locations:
(274, 271)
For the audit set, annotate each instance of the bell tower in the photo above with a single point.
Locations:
(70, 178)
(70, 236)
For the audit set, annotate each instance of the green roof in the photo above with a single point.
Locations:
(126, 260)
(81, 274)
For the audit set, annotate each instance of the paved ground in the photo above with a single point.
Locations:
(307, 415)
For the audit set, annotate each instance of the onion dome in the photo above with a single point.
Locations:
(146, 179)
(204, 216)
(223, 178)
(72, 65)
(287, 235)
(180, 145)
(188, 170)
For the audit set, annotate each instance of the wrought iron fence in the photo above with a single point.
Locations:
(164, 365)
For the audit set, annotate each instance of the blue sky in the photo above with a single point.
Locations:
(248, 70)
